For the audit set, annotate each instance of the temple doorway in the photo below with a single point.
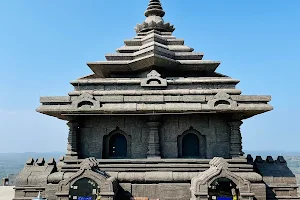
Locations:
(117, 146)
(190, 146)
(223, 189)
(84, 189)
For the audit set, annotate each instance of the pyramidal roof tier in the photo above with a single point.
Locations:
(155, 73)
(154, 48)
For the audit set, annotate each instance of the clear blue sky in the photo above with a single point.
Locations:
(45, 44)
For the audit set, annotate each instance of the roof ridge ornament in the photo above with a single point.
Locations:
(154, 8)
(154, 19)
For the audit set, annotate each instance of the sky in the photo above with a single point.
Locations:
(45, 44)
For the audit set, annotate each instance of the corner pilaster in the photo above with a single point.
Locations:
(236, 139)
(72, 139)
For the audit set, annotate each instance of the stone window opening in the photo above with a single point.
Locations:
(191, 144)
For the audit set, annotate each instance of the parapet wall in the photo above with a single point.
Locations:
(34, 178)
(280, 181)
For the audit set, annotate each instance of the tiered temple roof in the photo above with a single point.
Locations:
(155, 73)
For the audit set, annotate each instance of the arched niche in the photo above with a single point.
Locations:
(222, 101)
(117, 145)
(202, 185)
(89, 181)
(85, 101)
(191, 144)
(154, 80)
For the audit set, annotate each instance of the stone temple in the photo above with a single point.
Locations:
(155, 121)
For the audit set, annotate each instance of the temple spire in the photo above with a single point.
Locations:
(155, 8)
(154, 19)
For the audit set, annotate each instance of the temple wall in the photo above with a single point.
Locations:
(95, 128)
(213, 128)
(162, 191)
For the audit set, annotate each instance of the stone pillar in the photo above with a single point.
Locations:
(236, 139)
(72, 139)
(154, 141)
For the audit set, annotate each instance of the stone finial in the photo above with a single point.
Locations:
(40, 161)
(258, 159)
(249, 159)
(154, 20)
(51, 161)
(270, 159)
(154, 8)
(30, 161)
(281, 159)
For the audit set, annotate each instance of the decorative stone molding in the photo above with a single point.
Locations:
(222, 101)
(89, 169)
(153, 24)
(218, 169)
(86, 101)
(154, 80)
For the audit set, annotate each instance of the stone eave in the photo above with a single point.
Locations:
(243, 112)
(106, 68)
(157, 50)
(240, 105)
(189, 55)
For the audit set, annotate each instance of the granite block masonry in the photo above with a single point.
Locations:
(155, 121)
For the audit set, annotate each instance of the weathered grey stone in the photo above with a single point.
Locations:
(30, 161)
(109, 99)
(133, 123)
(40, 161)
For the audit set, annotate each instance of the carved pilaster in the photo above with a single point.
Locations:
(154, 141)
(72, 139)
(236, 139)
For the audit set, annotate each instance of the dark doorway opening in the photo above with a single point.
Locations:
(84, 189)
(117, 146)
(223, 189)
(190, 146)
